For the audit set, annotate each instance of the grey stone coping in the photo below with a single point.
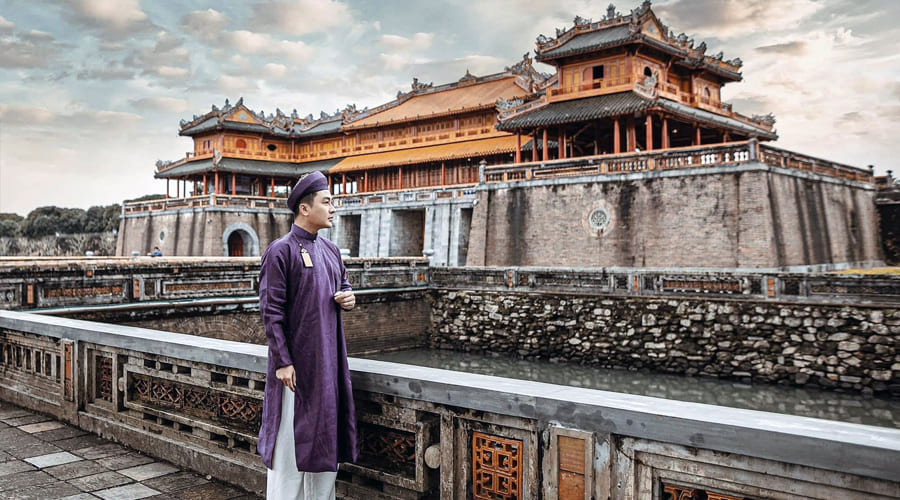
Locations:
(851, 448)
(615, 177)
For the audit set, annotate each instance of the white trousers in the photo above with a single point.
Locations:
(283, 481)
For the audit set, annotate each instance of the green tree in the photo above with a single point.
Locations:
(44, 221)
(10, 224)
(102, 219)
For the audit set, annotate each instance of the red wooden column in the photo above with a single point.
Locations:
(726, 136)
(216, 184)
(204, 184)
(233, 184)
(343, 183)
(617, 137)
(366, 181)
(665, 133)
(545, 151)
(534, 139)
(444, 170)
(630, 138)
(560, 147)
(518, 153)
(167, 189)
(649, 126)
(272, 188)
(400, 177)
(697, 141)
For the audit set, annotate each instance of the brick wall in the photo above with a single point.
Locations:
(756, 217)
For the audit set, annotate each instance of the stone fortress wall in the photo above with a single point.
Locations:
(747, 216)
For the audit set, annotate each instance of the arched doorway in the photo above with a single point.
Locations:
(240, 240)
(235, 245)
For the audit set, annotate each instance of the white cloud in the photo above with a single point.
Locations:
(86, 120)
(300, 17)
(726, 19)
(113, 18)
(5, 25)
(166, 104)
(232, 84)
(28, 50)
(249, 42)
(205, 24)
(419, 41)
(274, 71)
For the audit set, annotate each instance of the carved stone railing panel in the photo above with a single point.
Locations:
(428, 434)
(48, 283)
(739, 284)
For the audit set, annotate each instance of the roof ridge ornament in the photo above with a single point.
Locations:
(420, 86)
(611, 13)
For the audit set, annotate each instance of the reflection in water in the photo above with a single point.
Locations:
(772, 398)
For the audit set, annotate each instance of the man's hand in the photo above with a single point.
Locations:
(346, 300)
(287, 376)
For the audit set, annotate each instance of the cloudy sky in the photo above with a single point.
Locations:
(91, 91)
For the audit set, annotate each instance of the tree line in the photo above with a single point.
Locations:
(45, 221)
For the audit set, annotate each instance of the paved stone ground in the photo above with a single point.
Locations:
(41, 458)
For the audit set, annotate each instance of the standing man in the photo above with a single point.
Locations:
(309, 420)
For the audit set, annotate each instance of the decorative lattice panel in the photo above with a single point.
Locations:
(496, 467)
(103, 378)
(386, 449)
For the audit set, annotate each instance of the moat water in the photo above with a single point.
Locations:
(814, 403)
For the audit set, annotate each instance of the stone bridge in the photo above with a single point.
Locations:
(428, 433)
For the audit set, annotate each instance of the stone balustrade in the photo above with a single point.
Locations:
(46, 283)
(428, 433)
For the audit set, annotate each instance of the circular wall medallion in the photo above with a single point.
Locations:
(598, 219)
(162, 235)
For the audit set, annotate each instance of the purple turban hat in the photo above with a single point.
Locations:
(310, 183)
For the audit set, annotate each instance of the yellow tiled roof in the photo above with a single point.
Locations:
(441, 102)
(477, 148)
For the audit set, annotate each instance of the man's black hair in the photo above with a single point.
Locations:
(308, 198)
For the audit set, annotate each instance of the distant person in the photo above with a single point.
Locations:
(156, 252)
(303, 288)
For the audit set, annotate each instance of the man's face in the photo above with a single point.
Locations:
(320, 213)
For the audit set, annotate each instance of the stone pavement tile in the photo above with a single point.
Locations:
(81, 496)
(14, 466)
(13, 412)
(3, 425)
(129, 492)
(65, 432)
(125, 461)
(148, 471)
(13, 482)
(41, 427)
(175, 482)
(56, 489)
(5, 457)
(210, 490)
(31, 449)
(32, 418)
(80, 442)
(101, 451)
(10, 435)
(62, 457)
(100, 481)
(75, 469)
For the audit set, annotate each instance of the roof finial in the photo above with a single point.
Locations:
(611, 11)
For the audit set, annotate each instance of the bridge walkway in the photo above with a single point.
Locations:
(42, 458)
